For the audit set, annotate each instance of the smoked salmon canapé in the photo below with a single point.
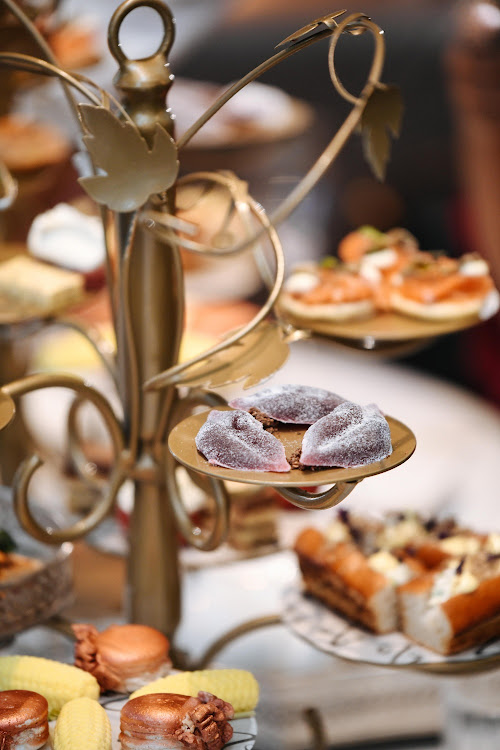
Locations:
(359, 243)
(320, 293)
(441, 288)
(386, 272)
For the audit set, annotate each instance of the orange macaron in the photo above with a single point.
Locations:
(122, 657)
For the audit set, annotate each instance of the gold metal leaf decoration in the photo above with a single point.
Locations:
(381, 117)
(133, 172)
(328, 21)
(253, 358)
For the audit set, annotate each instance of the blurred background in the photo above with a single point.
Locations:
(442, 181)
(442, 184)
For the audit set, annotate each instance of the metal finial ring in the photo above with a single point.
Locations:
(119, 16)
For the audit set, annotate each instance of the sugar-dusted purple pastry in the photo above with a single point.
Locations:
(236, 440)
(291, 404)
(351, 435)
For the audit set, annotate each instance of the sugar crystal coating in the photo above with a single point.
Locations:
(351, 435)
(236, 440)
(292, 404)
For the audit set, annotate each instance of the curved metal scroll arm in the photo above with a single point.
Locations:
(318, 500)
(356, 22)
(204, 661)
(79, 461)
(28, 467)
(172, 374)
(99, 343)
(189, 531)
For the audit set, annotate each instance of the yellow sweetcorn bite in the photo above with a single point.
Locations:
(82, 725)
(236, 686)
(57, 682)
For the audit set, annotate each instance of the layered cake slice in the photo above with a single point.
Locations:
(358, 585)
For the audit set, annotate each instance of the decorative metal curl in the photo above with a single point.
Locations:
(354, 22)
(28, 467)
(317, 500)
(241, 199)
(122, 12)
(189, 531)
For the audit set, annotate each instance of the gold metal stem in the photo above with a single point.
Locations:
(153, 588)
(149, 331)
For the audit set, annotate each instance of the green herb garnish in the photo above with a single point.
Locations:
(329, 261)
(371, 232)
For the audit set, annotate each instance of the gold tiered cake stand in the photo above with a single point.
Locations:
(134, 179)
(149, 215)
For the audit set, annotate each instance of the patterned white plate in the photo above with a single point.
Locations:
(245, 730)
(314, 622)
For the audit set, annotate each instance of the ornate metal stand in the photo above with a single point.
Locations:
(134, 180)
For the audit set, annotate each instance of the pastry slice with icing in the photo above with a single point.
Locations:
(236, 440)
(351, 435)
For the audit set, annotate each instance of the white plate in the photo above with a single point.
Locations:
(310, 619)
(245, 730)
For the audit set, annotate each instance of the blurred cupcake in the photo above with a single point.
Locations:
(39, 158)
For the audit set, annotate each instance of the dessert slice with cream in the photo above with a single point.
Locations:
(361, 586)
(433, 580)
(456, 607)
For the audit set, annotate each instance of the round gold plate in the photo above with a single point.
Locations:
(383, 330)
(182, 446)
(7, 410)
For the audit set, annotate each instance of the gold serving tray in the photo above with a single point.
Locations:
(182, 446)
(384, 330)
